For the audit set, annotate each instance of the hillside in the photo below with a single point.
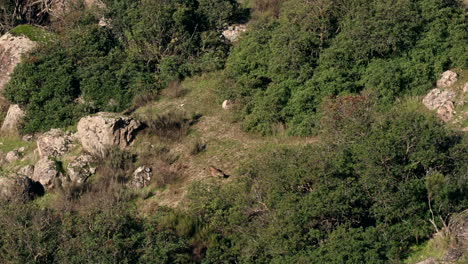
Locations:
(217, 131)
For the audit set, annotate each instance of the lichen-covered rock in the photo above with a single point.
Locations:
(81, 168)
(436, 98)
(447, 79)
(11, 50)
(445, 111)
(232, 33)
(20, 187)
(46, 172)
(54, 143)
(99, 132)
(13, 156)
(141, 177)
(13, 119)
(27, 170)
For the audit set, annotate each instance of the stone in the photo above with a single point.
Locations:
(13, 156)
(227, 104)
(27, 171)
(141, 177)
(428, 261)
(447, 79)
(11, 50)
(27, 138)
(81, 168)
(100, 132)
(446, 111)
(232, 33)
(54, 143)
(46, 172)
(13, 119)
(436, 98)
(19, 186)
(465, 88)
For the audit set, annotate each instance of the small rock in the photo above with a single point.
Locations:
(428, 261)
(80, 169)
(446, 111)
(227, 104)
(13, 119)
(27, 138)
(45, 172)
(141, 177)
(436, 98)
(13, 156)
(54, 143)
(465, 88)
(447, 79)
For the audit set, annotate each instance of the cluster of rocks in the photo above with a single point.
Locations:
(97, 134)
(233, 32)
(443, 99)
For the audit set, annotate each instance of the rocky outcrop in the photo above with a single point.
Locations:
(11, 50)
(141, 177)
(458, 231)
(12, 120)
(100, 132)
(445, 111)
(447, 79)
(19, 187)
(232, 33)
(81, 168)
(46, 172)
(54, 143)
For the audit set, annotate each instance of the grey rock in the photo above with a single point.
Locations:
(447, 79)
(141, 177)
(233, 32)
(27, 170)
(436, 98)
(20, 187)
(446, 111)
(100, 132)
(13, 156)
(54, 143)
(46, 172)
(81, 168)
(13, 119)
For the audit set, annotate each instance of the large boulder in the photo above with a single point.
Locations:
(11, 50)
(81, 168)
(13, 119)
(99, 132)
(447, 79)
(54, 143)
(436, 98)
(46, 172)
(14, 155)
(19, 186)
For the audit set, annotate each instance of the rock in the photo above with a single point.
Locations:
(13, 119)
(27, 170)
(436, 98)
(54, 143)
(80, 169)
(13, 155)
(447, 79)
(20, 186)
(46, 172)
(227, 104)
(141, 177)
(445, 111)
(27, 138)
(11, 50)
(215, 172)
(458, 231)
(465, 88)
(232, 33)
(100, 132)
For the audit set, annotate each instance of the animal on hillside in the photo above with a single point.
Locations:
(215, 172)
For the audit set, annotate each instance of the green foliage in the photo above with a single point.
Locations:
(283, 67)
(32, 32)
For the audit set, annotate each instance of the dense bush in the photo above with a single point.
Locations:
(282, 68)
(91, 68)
